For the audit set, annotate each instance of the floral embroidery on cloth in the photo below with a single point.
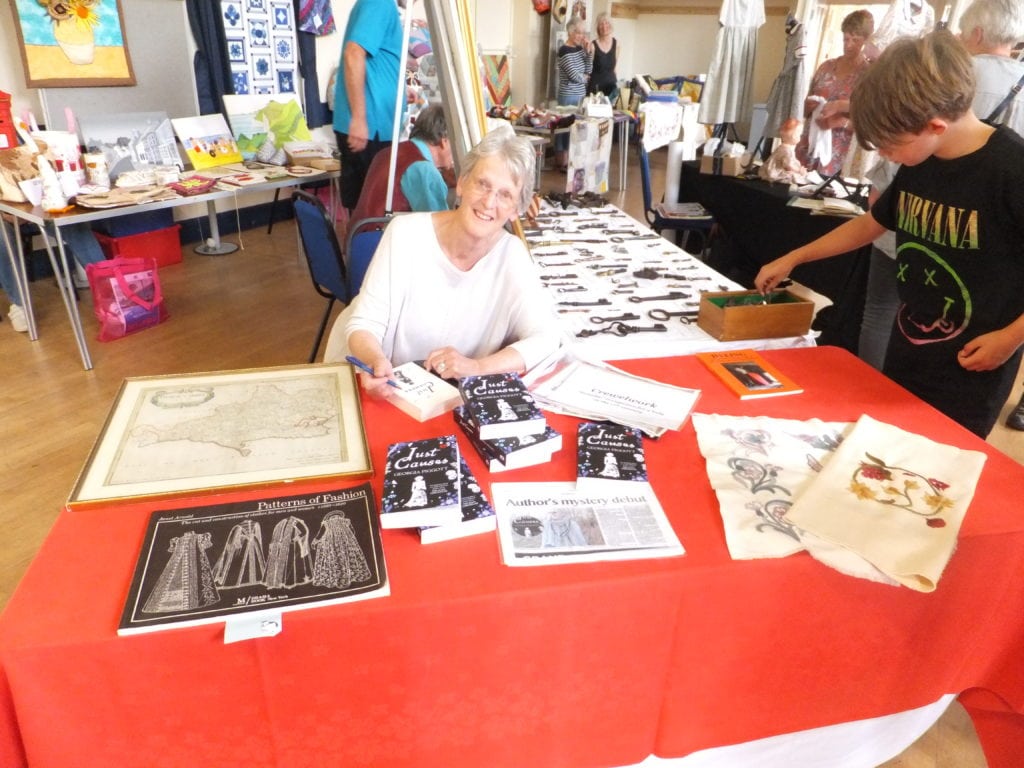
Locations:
(868, 499)
(758, 466)
(894, 498)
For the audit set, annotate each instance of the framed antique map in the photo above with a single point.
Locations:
(196, 432)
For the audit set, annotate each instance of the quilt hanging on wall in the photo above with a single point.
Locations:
(262, 45)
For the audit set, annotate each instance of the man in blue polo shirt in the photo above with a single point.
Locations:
(366, 89)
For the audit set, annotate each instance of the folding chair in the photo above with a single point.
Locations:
(363, 237)
(323, 256)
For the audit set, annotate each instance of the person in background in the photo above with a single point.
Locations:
(827, 106)
(881, 299)
(575, 59)
(81, 245)
(365, 90)
(453, 289)
(989, 29)
(420, 166)
(958, 215)
(606, 56)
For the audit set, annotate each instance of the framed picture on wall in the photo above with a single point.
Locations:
(67, 43)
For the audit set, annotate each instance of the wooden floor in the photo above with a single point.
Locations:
(251, 308)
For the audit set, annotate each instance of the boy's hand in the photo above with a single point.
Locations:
(988, 351)
(773, 273)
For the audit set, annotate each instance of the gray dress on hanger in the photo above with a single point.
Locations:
(786, 98)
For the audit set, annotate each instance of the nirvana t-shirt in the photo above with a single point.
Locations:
(959, 227)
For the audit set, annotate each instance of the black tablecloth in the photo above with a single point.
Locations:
(756, 226)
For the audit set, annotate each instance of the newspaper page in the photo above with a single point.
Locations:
(553, 523)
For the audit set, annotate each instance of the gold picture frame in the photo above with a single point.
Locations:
(188, 434)
(67, 43)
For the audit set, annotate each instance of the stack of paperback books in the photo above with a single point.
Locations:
(503, 422)
(429, 486)
(504, 453)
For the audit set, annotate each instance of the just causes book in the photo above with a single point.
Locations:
(421, 394)
(421, 484)
(510, 452)
(500, 406)
(748, 374)
(477, 512)
(609, 452)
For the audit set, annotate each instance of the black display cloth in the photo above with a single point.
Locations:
(755, 226)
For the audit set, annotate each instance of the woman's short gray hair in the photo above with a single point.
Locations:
(576, 24)
(517, 154)
(430, 125)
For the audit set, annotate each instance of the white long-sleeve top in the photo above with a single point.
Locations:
(414, 300)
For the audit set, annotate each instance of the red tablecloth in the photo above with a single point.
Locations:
(471, 663)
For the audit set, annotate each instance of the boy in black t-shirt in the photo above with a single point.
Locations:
(957, 208)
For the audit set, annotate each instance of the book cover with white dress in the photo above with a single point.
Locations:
(609, 454)
(421, 483)
(501, 406)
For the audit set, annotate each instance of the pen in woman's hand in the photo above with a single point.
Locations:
(364, 367)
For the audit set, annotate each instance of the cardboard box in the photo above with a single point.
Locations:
(324, 163)
(164, 245)
(736, 315)
(732, 165)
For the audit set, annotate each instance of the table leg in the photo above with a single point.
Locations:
(213, 245)
(65, 282)
(17, 259)
(623, 142)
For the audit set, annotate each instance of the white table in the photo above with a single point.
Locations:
(588, 258)
(49, 225)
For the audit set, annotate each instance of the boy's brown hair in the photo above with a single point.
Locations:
(913, 81)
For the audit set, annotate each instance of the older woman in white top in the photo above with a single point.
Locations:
(455, 289)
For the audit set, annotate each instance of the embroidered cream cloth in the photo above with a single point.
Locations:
(892, 497)
(758, 466)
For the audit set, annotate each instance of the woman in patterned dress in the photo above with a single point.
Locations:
(831, 87)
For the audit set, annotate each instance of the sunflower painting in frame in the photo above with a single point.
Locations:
(66, 43)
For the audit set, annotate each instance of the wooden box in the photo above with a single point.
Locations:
(735, 315)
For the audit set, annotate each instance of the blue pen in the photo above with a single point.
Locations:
(364, 367)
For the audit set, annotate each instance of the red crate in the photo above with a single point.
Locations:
(164, 245)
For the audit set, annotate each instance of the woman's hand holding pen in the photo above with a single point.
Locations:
(376, 376)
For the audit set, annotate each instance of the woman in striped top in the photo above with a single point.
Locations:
(575, 60)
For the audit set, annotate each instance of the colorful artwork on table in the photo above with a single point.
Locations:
(263, 124)
(131, 140)
(207, 140)
(262, 46)
(67, 43)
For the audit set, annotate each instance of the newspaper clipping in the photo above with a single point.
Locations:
(552, 523)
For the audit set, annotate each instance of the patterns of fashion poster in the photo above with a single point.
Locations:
(263, 559)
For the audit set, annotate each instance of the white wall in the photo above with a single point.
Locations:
(655, 44)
